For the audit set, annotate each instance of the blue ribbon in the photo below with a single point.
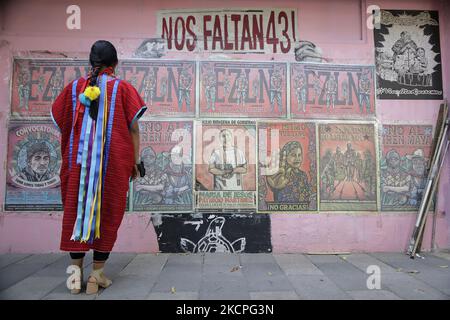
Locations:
(95, 162)
(110, 124)
(76, 235)
(74, 106)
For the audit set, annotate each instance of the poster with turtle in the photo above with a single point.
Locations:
(347, 167)
(36, 83)
(287, 168)
(224, 233)
(34, 162)
(225, 165)
(405, 154)
(408, 55)
(332, 90)
(166, 150)
(167, 86)
(243, 89)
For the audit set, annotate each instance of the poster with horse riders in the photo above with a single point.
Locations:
(347, 167)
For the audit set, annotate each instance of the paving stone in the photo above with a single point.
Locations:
(68, 296)
(222, 271)
(178, 295)
(181, 258)
(296, 264)
(407, 287)
(321, 258)
(116, 263)
(31, 288)
(315, 287)
(437, 281)
(405, 263)
(339, 268)
(274, 295)
(10, 258)
(24, 268)
(178, 278)
(247, 258)
(223, 290)
(265, 277)
(145, 265)
(363, 261)
(437, 262)
(128, 288)
(227, 259)
(373, 295)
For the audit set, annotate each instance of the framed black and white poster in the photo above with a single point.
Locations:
(408, 55)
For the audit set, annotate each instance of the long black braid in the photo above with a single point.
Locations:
(103, 54)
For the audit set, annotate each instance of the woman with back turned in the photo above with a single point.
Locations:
(97, 116)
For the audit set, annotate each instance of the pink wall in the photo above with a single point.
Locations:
(37, 29)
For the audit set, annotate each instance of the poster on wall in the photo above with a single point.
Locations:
(347, 167)
(287, 173)
(408, 55)
(243, 89)
(167, 86)
(34, 163)
(225, 165)
(166, 150)
(405, 155)
(225, 233)
(332, 91)
(36, 83)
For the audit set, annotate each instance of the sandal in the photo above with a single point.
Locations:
(97, 279)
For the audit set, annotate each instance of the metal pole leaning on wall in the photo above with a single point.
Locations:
(432, 183)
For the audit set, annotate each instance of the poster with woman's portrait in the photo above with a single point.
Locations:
(166, 151)
(405, 155)
(34, 162)
(287, 171)
(347, 167)
(408, 55)
(225, 165)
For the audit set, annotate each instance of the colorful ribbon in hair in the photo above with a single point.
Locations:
(92, 155)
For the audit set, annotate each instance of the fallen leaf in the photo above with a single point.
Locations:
(269, 273)
(173, 290)
(236, 268)
(344, 258)
(399, 270)
(412, 271)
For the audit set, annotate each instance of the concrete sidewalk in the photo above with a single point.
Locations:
(232, 276)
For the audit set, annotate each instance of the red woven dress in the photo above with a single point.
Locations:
(124, 106)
